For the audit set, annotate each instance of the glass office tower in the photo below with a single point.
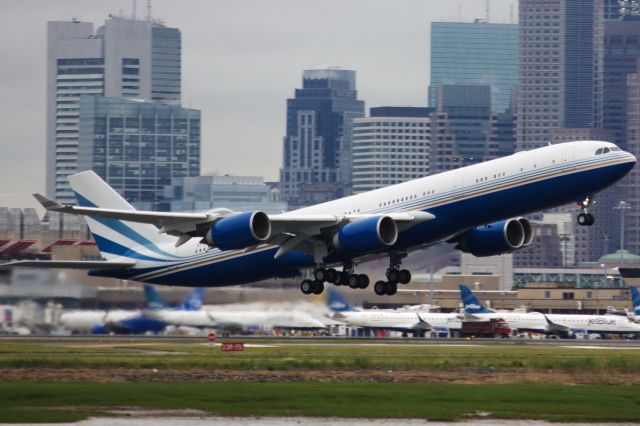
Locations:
(475, 53)
(317, 147)
(138, 147)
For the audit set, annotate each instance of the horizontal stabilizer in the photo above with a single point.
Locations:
(68, 264)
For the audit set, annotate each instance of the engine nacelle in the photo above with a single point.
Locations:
(528, 231)
(239, 230)
(497, 238)
(366, 235)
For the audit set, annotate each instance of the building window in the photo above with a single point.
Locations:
(547, 294)
(567, 296)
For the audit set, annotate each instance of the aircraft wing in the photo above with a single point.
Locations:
(552, 326)
(287, 230)
(172, 223)
(68, 264)
(422, 324)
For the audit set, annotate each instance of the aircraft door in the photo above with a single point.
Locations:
(568, 155)
(458, 180)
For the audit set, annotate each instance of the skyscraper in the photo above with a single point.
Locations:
(390, 147)
(475, 53)
(471, 122)
(558, 68)
(138, 147)
(317, 147)
(124, 58)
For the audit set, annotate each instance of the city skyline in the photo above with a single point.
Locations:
(240, 64)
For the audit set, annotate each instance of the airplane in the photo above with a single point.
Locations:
(412, 319)
(125, 321)
(231, 316)
(564, 324)
(479, 208)
(243, 317)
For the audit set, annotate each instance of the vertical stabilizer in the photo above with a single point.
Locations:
(193, 302)
(470, 302)
(336, 301)
(114, 237)
(153, 298)
(635, 300)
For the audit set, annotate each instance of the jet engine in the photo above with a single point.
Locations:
(497, 238)
(366, 235)
(239, 230)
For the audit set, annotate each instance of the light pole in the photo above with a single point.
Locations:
(622, 206)
(564, 239)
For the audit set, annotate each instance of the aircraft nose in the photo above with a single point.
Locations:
(632, 158)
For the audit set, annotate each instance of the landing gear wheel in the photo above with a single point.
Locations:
(354, 281)
(392, 288)
(363, 281)
(404, 276)
(317, 287)
(586, 219)
(380, 288)
(393, 275)
(332, 275)
(343, 279)
(590, 219)
(320, 274)
(306, 287)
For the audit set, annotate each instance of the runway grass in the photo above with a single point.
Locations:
(66, 402)
(76, 393)
(136, 353)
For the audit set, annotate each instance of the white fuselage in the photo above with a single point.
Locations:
(223, 318)
(536, 321)
(85, 321)
(400, 319)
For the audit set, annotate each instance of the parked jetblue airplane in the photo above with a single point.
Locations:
(415, 319)
(127, 321)
(564, 324)
(478, 207)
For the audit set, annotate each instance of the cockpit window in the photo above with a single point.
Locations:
(615, 148)
(605, 150)
(599, 151)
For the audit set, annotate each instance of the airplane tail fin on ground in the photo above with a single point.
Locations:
(153, 298)
(471, 303)
(336, 301)
(115, 238)
(635, 300)
(193, 302)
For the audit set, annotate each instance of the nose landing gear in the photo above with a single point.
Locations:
(585, 218)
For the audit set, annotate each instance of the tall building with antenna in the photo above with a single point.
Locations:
(124, 58)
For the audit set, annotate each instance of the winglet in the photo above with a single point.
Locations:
(48, 203)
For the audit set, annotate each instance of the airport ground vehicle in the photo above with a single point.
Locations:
(494, 327)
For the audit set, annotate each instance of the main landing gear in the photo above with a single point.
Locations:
(585, 218)
(346, 277)
(395, 275)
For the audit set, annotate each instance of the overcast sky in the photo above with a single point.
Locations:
(241, 60)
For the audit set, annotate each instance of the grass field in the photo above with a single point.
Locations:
(132, 353)
(82, 378)
(60, 402)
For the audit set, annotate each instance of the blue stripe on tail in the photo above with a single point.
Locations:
(119, 227)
